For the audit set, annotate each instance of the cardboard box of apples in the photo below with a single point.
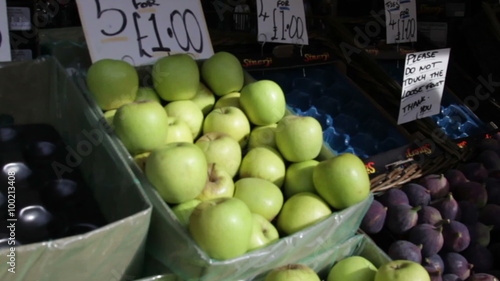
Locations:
(39, 92)
(239, 184)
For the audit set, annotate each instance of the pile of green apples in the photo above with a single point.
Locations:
(235, 166)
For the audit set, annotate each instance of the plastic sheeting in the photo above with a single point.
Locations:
(40, 91)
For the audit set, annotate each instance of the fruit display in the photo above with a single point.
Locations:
(46, 204)
(349, 120)
(447, 222)
(238, 171)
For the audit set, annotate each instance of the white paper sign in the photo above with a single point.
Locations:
(282, 21)
(141, 31)
(423, 84)
(401, 21)
(4, 34)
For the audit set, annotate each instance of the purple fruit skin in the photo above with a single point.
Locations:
(429, 236)
(490, 215)
(472, 191)
(429, 215)
(479, 233)
(417, 194)
(468, 212)
(474, 171)
(435, 261)
(437, 184)
(401, 218)
(374, 219)
(405, 250)
(393, 196)
(480, 257)
(454, 177)
(456, 236)
(447, 206)
(457, 264)
(451, 277)
(490, 159)
(482, 277)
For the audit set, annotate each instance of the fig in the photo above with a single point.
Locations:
(447, 206)
(401, 218)
(429, 236)
(417, 194)
(456, 236)
(490, 159)
(374, 219)
(490, 215)
(474, 171)
(434, 274)
(472, 191)
(479, 233)
(454, 177)
(405, 250)
(457, 264)
(468, 212)
(481, 277)
(480, 257)
(435, 261)
(393, 196)
(451, 277)
(437, 184)
(429, 215)
(492, 186)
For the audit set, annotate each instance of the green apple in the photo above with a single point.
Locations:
(109, 115)
(262, 136)
(263, 233)
(222, 227)
(178, 131)
(178, 170)
(222, 149)
(292, 272)
(223, 73)
(147, 93)
(352, 268)
(231, 99)
(189, 112)
(342, 180)
(112, 83)
(263, 102)
(176, 77)
(402, 270)
(230, 120)
(219, 184)
(184, 210)
(140, 159)
(204, 98)
(141, 126)
(302, 210)
(261, 196)
(263, 162)
(299, 177)
(299, 138)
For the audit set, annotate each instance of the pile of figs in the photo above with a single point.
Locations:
(448, 222)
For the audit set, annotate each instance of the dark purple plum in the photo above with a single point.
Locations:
(429, 215)
(480, 257)
(468, 212)
(490, 159)
(479, 233)
(451, 277)
(447, 206)
(482, 277)
(457, 264)
(437, 184)
(456, 236)
(417, 194)
(429, 236)
(401, 218)
(474, 171)
(472, 191)
(393, 196)
(454, 177)
(405, 250)
(490, 215)
(374, 219)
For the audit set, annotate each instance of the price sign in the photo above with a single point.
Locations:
(401, 21)
(4, 33)
(140, 31)
(282, 21)
(423, 84)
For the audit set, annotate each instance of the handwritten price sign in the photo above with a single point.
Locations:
(140, 31)
(401, 21)
(282, 21)
(4, 33)
(423, 84)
